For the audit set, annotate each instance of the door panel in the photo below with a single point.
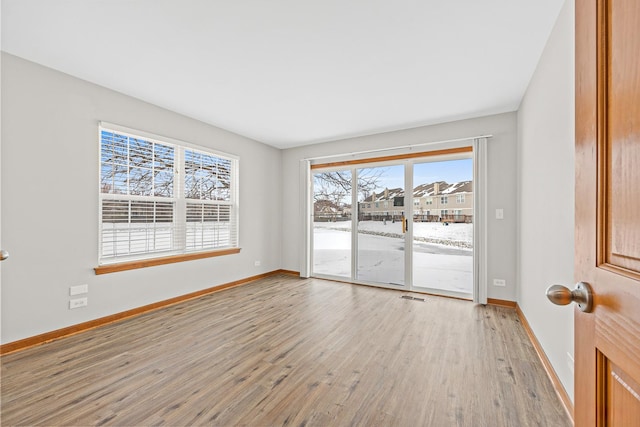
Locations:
(621, 397)
(607, 245)
(443, 226)
(622, 158)
(332, 223)
(381, 225)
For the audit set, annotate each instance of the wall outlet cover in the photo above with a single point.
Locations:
(77, 290)
(78, 302)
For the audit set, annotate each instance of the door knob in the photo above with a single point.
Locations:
(581, 295)
(3, 255)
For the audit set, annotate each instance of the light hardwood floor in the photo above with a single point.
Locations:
(285, 351)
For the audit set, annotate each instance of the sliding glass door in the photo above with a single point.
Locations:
(381, 225)
(442, 244)
(368, 229)
(332, 223)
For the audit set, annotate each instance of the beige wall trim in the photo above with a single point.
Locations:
(36, 340)
(555, 380)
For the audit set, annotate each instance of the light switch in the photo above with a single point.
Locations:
(499, 213)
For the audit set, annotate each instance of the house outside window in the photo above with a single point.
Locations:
(444, 200)
(460, 198)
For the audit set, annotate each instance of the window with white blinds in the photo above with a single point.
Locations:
(161, 197)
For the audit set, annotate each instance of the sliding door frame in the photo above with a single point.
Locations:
(437, 291)
(477, 148)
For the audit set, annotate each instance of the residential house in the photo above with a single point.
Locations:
(437, 201)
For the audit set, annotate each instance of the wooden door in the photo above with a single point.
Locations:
(607, 245)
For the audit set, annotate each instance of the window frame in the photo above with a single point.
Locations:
(179, 250)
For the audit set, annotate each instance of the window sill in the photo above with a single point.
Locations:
(132, 265)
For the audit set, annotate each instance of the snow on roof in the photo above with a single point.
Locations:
(427, 190)
(423, 190)
(458, 187)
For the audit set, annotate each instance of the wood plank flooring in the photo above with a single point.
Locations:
(286, 351)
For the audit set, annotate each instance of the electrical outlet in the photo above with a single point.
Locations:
(499, 282)
(78, 302)
(256, 263)
(77, 290)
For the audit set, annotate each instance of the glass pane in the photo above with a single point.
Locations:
(106, 178)
(332, 223)
(114, 148)
(223, 185)
(140, 153)
(208, 226)
(164, 211)
(113, 179)
(115, 211)
(135, 166)
(163, 156)
(443, 225)
(207, 177)
(140, 181)
(163, 183)
(381, 215)
(142, 212)
(131, 227)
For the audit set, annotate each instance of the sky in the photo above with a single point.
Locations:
(450, 171)
(425, 173)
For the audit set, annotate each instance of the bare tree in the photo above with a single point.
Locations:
(135, 166)
(339, 182)
(208, 180)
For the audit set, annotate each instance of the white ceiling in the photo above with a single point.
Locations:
(294, 72)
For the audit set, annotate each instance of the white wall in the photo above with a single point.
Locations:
(501, 184)
(50, 202)
(546, 194)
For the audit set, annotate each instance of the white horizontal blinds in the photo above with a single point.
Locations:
(210, 206)
(137, 196)
(163, 198)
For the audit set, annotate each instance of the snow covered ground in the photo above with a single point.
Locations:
(450, 235)
(442, 255)
(141, 238)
